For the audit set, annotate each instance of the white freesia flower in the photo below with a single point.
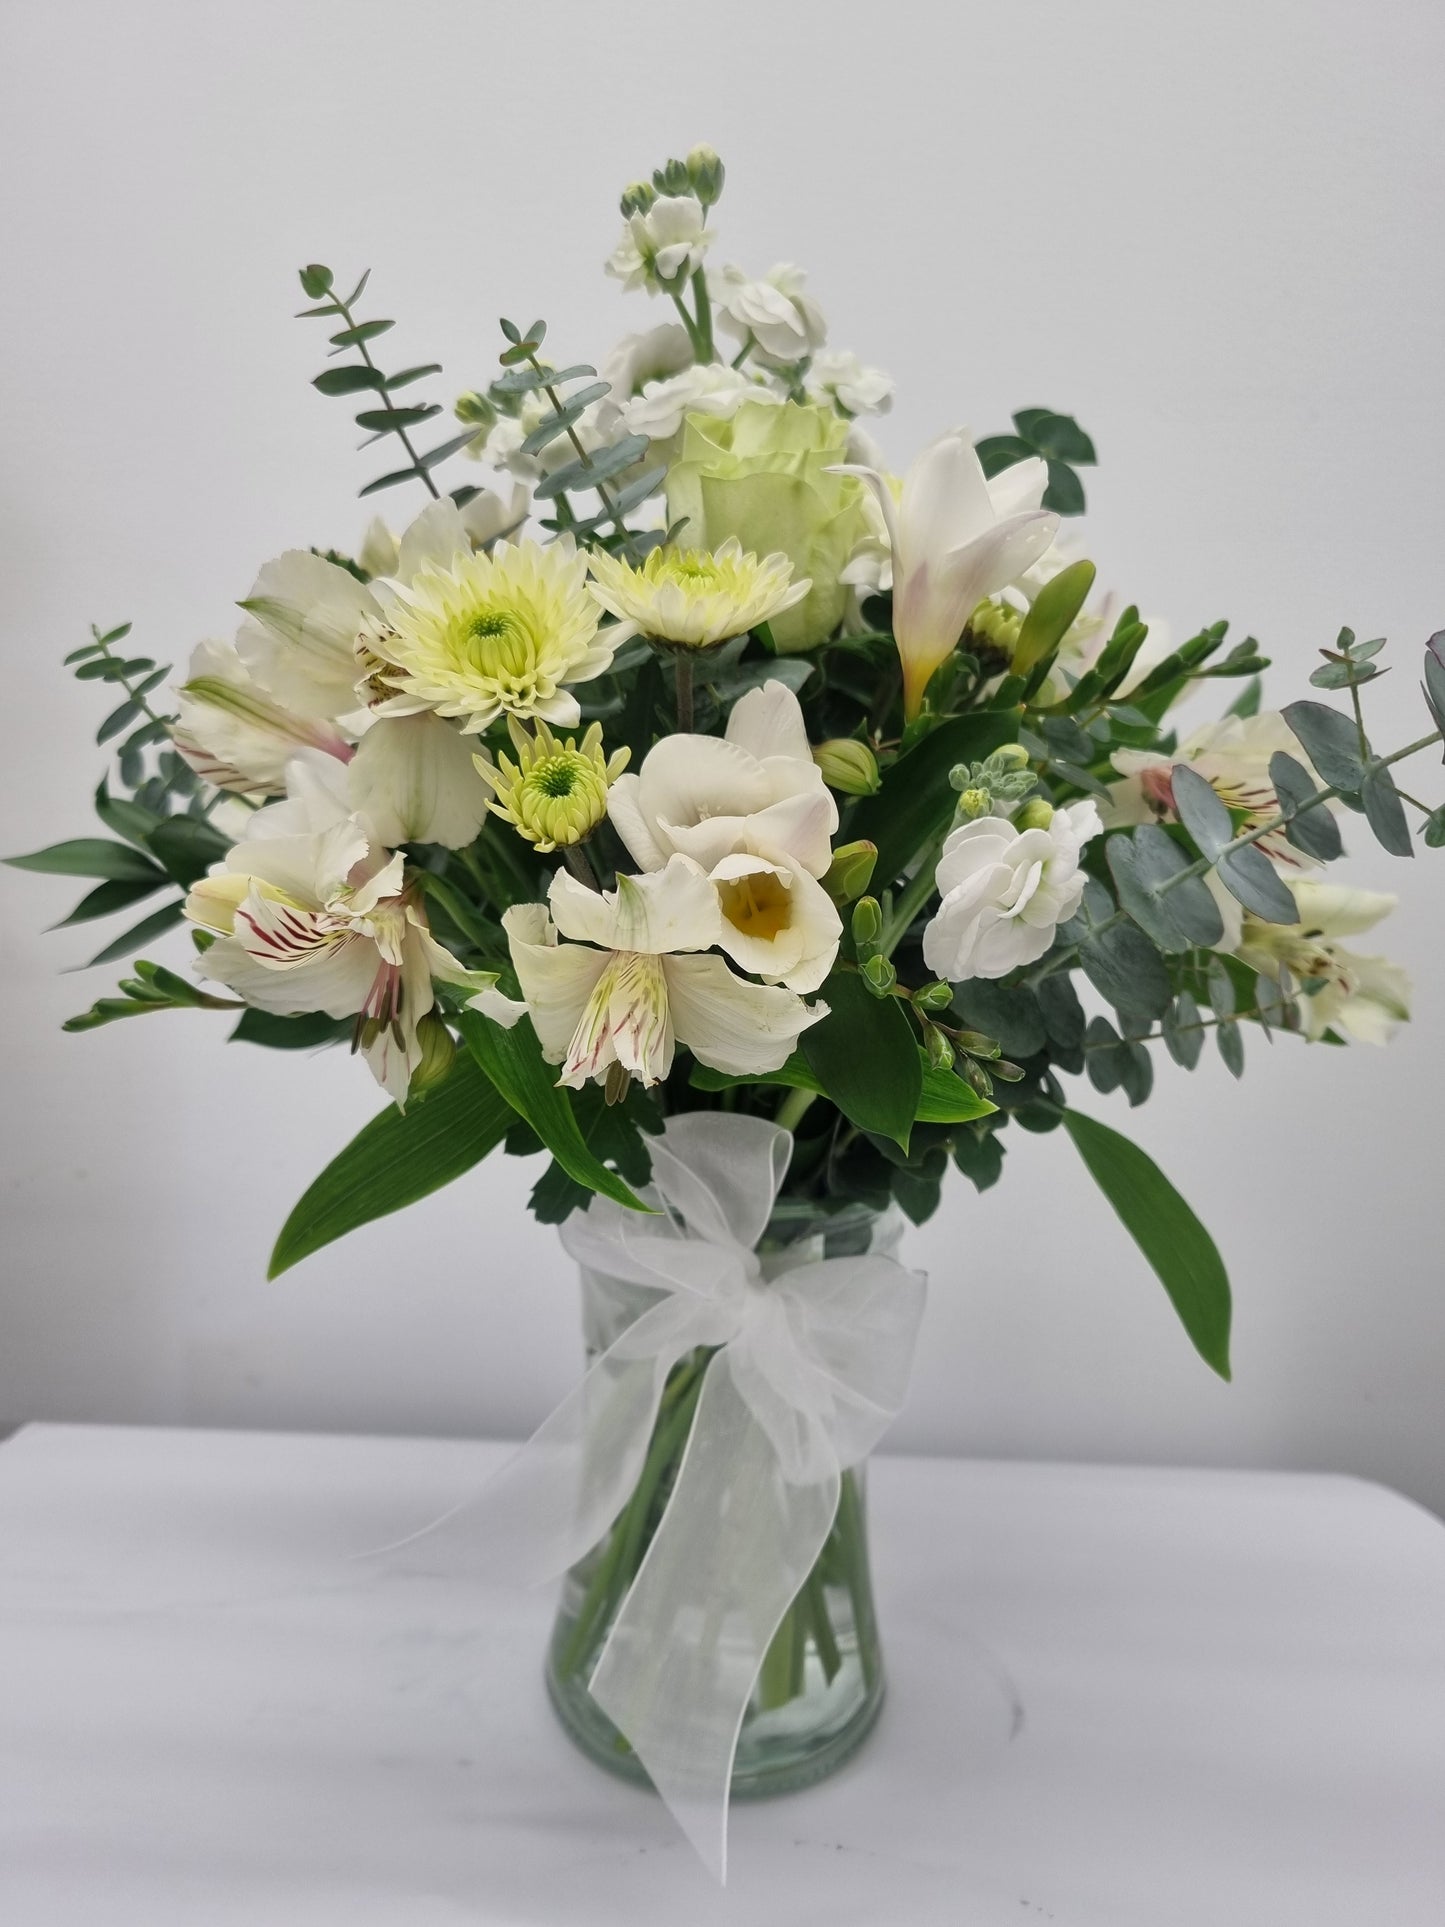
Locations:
(954, 538)
(777, 920)
(633, 983)
(755, 790)
(313, 915)
(840, 380)
(660, 248)
(234, 735)
(709, 388)
(1233, 756)
(786, 325)
(1005, 891)
(1361, 998)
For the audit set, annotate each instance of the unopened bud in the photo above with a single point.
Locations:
(637, 198)
(474, 410)
(940, 1051)
(851, 871)
(1012, 756)
(974, 803)
(935, 996)
(672, 178)
(706, 174)
(879, 975)
(848, 766)
(867, 924)
(1035, 815)
(976, 1076)
(976, 1044)
(438, 1048)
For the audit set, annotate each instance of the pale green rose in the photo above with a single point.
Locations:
(760, 475)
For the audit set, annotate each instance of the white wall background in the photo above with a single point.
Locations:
(1214, 233)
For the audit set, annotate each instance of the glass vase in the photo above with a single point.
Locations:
(820, 1686)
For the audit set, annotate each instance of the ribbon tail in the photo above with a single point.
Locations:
(732, 1551)
(558, 1494)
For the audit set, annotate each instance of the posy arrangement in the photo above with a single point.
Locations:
(761, 834)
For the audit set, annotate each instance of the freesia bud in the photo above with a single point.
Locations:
(940, 1051)
(1011, 756)
(935, 996)
(706, 173)
(851, 871)
(438, 1048)
(1036, 814)
(848, 766)
(879, 975)
(867, 924)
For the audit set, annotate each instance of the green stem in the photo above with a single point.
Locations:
(911, 899)
(816, 1594)
(684, 315)
(682, 668)
(794, 1108)
(575, 856)
(706, 350)
(749, 343)
(853, 1546)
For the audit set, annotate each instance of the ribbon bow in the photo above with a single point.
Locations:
(811, 1366)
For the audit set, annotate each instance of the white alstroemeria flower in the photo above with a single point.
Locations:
(380, 551)
(786, 325)
(1233, 756)
(755, 790)
(660, 248)
(313, 916)
(840, 380)
(633, 983)
(1005, 891)
(1363, 998)
(414, 780)
(954, 538)
(237, 737)
(709, 388)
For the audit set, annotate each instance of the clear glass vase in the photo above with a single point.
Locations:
(820, 1686)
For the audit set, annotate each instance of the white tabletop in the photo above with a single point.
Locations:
(1186, 1699)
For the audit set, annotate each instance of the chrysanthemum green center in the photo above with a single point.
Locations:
(556, 777)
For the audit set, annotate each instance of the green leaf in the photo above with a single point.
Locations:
(865, 1057)
(155, 925)
(316, 280)
(1250, 877)
(1183, 1037)
(979, 1155)
(309, 1031)
(350, 380)
(1008, 1013)
(118, 719)
(1312, 830)
(1065, 492)
(597, 467)
(1200, 810)
(387, 421)
(127, 819)
(1057, 436)
(434, 456)
(391, 480)
(1050, 615)
(946, 1099)
(397, 1158)
(572, 411)
(1331, 741)
(915, 804)
(1230, 1039)
(1119, 960)
(89, 856)
(1180, 1250)
(363, 331)
(419, 373)
(1177, 917)
(1434, 684)
(187, 847)
(1385, 813)
(106, 898)
(1435, 830)
(513, 1060)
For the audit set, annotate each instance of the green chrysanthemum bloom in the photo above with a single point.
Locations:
(556, 792)
(696, 598)
(497, 633)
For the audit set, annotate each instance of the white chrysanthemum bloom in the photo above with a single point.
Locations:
(234, 735)
(1233, 757)
(840, 380)
(632, 985)
(1356, 997)
(660, 248)
(785, 324)
(754, 791)
(709, 388)
(954, 538)
(696, 598)
(312, 915)
(497, 634)
(1004, 892)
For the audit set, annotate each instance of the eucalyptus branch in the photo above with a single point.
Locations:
(135, 688)
(1158, 1037)
(384, 390)
(603, 492)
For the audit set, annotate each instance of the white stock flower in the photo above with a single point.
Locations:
(660, 248)
(1356, 997)
(633, 982)
(755, 790)
(313, 916)
(709, 388)
(1004, 892)
(653, 355)
(234, 735)
(785, 323)
(839, 379)
(1233, 757)
(954, 537)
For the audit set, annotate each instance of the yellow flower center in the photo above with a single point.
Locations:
(759, 905)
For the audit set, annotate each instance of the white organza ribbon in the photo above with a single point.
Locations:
(812, 1367)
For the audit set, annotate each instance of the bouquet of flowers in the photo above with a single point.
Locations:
(761, 835)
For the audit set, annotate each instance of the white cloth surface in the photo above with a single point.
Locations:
(1117, 1697)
